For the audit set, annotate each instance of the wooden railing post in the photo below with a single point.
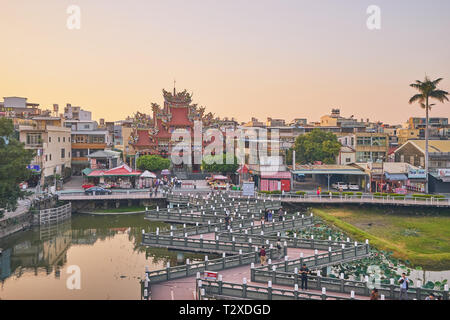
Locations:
(418, 289)
(187, 267)
(319, 280)
(220, 282)
(224, 256)
(244, 288)
(168, 271)
(269, 290)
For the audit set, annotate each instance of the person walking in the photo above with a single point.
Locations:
(279, 248)
(262, 255)
(280, 215)
(304, 271)
(269, 216)
(266, 215)
(374, 294)
(404, 286)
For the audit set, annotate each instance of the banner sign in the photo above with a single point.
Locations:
(444, 173)
(36, 168)
(416, 174)
(210, 275)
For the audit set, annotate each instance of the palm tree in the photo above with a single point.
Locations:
(427, 90)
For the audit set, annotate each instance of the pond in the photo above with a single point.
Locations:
(36, 264)
(382, 261)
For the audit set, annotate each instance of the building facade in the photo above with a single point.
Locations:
(51, 142)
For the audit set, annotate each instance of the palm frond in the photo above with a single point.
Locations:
(439, 95)
(417, 97)
(436, 82)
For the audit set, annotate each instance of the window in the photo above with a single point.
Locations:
(402, 158)
(68, 154)
(411, 160)
(50, 156)
(379, 141)
(64, 139)
(59, 139)
(363, 141)
(348, 159)
(46, 158)
(34, 139)
(86, 126)
(63, 153)
(49, 139)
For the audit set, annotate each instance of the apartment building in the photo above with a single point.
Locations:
(17, 107)
(86, 138)
(369, 147)
(405, 134)
(419, 123)
(51, 142)
(413, 152)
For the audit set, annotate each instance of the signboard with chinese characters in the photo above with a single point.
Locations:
(416, 174)
(210, 275)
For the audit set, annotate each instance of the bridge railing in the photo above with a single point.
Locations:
(188, 270)
(340, 285)
(289, 241)
(364, 198)
(205, 228)
(323, 259)
(217, 289)
(293, 221)
(204, 245)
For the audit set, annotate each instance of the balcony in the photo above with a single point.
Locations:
(98, 146)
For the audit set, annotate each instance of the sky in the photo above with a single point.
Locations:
(240, 58)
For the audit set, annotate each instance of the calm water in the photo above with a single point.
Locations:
(107, 250)
(34, 264)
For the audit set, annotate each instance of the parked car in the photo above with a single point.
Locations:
(354, 187)
(87, 186)
(98, 191)
(340, 185)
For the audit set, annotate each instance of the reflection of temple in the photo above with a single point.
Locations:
(153, 135)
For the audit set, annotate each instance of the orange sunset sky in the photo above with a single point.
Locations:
(283, 59)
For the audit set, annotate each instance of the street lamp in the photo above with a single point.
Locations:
(136, 156)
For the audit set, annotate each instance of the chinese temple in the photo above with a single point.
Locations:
(152, 135)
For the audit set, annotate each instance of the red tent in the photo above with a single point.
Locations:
(243, 169)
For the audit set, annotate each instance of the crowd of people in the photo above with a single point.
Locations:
(164, 185)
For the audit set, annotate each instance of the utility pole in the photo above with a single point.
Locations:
(293, 159)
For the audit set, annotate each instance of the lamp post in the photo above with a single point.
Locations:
(136, 156)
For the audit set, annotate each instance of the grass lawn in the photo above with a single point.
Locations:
(423, 240)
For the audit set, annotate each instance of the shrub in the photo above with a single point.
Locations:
(300, 193)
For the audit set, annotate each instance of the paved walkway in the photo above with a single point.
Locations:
(184, 289)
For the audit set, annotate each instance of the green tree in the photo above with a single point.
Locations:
(427, 90)
(218, 163)
(317, 145)
(14, 159)
(153, 163)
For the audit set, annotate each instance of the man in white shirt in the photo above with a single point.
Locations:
(404, 285)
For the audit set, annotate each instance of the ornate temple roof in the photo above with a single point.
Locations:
(180, 98)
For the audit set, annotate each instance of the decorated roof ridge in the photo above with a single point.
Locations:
(182, 97)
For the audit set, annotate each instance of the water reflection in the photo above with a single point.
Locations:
(106, 248)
